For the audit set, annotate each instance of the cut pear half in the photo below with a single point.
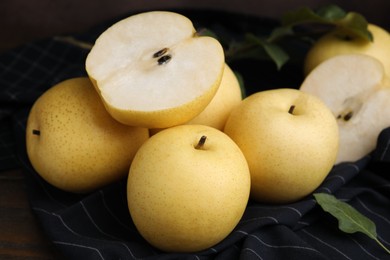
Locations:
(152, 69)
(357, 91)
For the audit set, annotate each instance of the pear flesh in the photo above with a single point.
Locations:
(356, 89)
(152, 69)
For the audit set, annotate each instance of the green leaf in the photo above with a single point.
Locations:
(354, 25)
(302, 15)
(325, 15)
(331, 17)
(303, 24)
(277, 54)
(350, 220)
(280, 33)
(331, 12)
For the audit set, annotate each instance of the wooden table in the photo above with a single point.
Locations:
(20, 234)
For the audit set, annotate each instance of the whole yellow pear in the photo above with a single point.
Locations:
(336, 43)
(228, 96)
(290, 140)
(73, 143)
(188, 187)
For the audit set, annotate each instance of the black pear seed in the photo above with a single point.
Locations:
(160, 53)
(348, 116)
(164, 59)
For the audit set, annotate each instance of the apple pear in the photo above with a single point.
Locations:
(225, 100)
(289, 139)
(188, 187)
(336, 43)
(73, 143)
(228, 96)
(153, 70)
(357, 91)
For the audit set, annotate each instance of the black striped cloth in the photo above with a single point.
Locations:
(98, 225)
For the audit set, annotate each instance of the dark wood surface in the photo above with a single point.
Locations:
(21, 236)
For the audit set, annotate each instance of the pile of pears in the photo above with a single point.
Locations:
(161, 107)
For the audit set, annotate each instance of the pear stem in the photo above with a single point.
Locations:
(201, 142)
(36, 132)
(291, 110)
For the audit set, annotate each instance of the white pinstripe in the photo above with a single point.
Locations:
(328, 245)
(105, 233)
(80, 246)
(60, 218)
(278, 208)
(260, 218)
(253, 252)
(285, 246)
(77, 234)
(112, 213)
(377, 215)
(273, 246)
(94, 223)
(364, 250)
(372, 212)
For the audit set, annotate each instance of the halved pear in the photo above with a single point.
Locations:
(152, 69)
(356, 89)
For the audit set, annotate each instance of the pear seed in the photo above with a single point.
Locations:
(160, 53)
(164, 59)
(348, 116)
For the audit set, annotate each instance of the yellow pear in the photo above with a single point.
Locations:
(357, 91)
(152, 69)
(227, 97)
(73, 143)
(188, 187)
(336, 43)
(290, 140)
(218, 110)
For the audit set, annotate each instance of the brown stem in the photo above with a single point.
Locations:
(36, 132)
(201, 142)
(291, 110)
